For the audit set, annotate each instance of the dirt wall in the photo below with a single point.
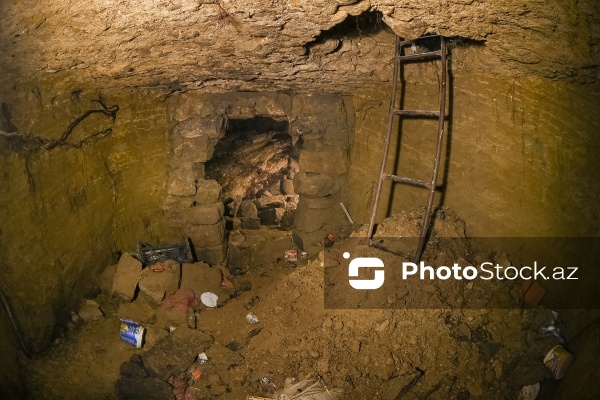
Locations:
(68, 208)
(520, 157)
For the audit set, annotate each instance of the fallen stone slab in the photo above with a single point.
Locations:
(176, 352)
(160, 279)
(201, 277)
(127, 277)
(106, 280)
(89, 311)
(139, 310)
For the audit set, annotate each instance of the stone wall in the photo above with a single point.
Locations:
(197, 122)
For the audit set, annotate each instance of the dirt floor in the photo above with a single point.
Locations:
(393, 353)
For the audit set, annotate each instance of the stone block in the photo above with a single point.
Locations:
(127, 277)
(176, 352)
(106, 280)
(321, 202)
(211, 126)
(182, 181)
(205, 215)
(287, 222)
(315, 184)
(250, 223)
(200, 277)
(207, 235)
(167, 317)
(155, 284)
(89, 311)
(197, 149)
(209, 192)
(333, 161)
(247, 210)
(139, 310)
(277, 105)
(212, 255)
(309, 219)
(287, 187)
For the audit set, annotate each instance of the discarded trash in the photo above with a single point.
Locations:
(529, 392)
(533, 292)
(191, 318)
(194, 373)
(179, 387)
(209, 299)
(347, 213)
(266, 383)
(303, 255)
(182, 300)
(554, 329)
(558, 361)
(329, 240)
(151, 255)
(132, 332)
(172, 329)
(291, 257)
(307, 390)
(201, 358)
(251, 318)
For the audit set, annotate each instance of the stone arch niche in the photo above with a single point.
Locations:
(321, 134)
(255, 162)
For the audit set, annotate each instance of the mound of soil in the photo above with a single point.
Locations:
(396, 352)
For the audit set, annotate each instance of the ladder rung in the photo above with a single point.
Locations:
(417, 113)
(410, 181)
(419, 39)
(421, 56)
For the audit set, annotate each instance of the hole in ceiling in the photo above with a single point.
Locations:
(353, 27)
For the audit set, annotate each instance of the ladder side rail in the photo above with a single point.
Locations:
(388, 134)
(438, 153)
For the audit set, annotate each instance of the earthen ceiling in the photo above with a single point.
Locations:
(246, 45)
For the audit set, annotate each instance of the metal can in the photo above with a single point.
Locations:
(557, 361)
(132, 332)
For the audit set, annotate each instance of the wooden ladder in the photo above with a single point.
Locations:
(395, 111)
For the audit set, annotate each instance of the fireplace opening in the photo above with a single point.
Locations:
(255, 162)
